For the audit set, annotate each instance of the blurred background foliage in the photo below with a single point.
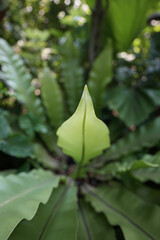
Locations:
(113, 46)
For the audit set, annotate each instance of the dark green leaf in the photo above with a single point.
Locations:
(132, 104)
(92, 225)
(72, 73)
(100, 76)
(137, 219)
(150, 174)
(4, 128)
(145, 136)
(52, 98)
(17, 145)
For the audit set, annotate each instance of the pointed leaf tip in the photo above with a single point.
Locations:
(83, 136)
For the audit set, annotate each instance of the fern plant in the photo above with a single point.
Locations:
(75, 207)
(70, 188)
(95, 201)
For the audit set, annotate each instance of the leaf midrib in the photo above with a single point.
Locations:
(40, 185)
(84, 222)
(108, 205)
(56, 205)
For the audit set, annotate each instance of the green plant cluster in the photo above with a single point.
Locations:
(64, 173)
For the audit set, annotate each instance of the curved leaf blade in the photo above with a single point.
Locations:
(20, 196)
(83, 136)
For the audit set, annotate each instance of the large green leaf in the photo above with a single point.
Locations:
(20, 196)
(52, 98)
(72, 73)
(83, 136)
(137, 219)
(17, 145)
(56, 220)
(133, 105)
(145, 136)
(125, 19)
(100, 76)
(93, 225)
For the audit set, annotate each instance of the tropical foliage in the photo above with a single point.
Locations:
(64, 173)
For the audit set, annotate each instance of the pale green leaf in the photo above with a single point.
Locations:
(83, 136)
(55, 220)
(120, 206)
(93, 225)
(20, 196)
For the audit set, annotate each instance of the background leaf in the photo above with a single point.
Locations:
(43, 157)
(17, 78)
(125, 26)
(100, 75)
(4, 128)
(52, 98)
(145, 136)
(17, 145)
(72, 73)
(132, 104)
